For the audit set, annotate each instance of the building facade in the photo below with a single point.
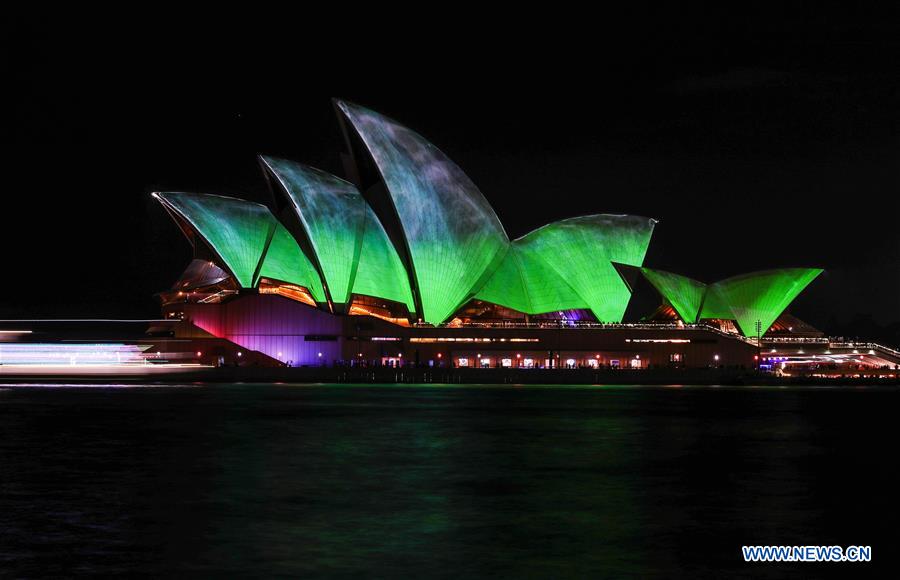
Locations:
(405, 262)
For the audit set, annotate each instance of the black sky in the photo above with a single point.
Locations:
(757, 143)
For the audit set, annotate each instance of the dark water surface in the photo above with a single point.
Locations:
(399, 481)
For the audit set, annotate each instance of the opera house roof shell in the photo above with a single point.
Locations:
(418, 232)
(746, 299)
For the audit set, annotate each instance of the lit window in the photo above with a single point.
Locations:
(506, 362)
(463, 362)
(570, 363)
(528, 363)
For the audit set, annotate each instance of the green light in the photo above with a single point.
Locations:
(568, 264)
(683, 293)
(285, 261)
(759, 296)
(525, 283)
(381, 272)
(333, 215)
(236, 230)
(350, 243)
(715, 304)
(581, 251)
(746, 299)
(451, 231)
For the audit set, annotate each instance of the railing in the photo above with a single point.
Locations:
(796, 340)
(585, 325)
(865, 346)
(833, 342)
(217, 297)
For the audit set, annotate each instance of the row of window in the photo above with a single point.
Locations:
(531, 363)
(568, 363)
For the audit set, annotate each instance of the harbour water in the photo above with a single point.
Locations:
(403, 481)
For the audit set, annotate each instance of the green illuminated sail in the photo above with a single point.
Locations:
(524, 282)
(506, 286)
(450, 230)
(759, 296)
(236, 230)
(580, 251)
(350, 243)
(381, 272)
(683, 293)
(333, 214)
(284, 261)
(715, 304)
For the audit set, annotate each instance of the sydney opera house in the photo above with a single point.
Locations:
(404, 262)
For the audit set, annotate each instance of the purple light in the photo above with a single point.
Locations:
(273, 326)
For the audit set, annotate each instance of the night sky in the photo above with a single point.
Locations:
(755, 146)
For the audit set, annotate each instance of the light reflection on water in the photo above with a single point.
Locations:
(447, 481)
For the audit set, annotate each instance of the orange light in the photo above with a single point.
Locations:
(291, 291)
(358, 310)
